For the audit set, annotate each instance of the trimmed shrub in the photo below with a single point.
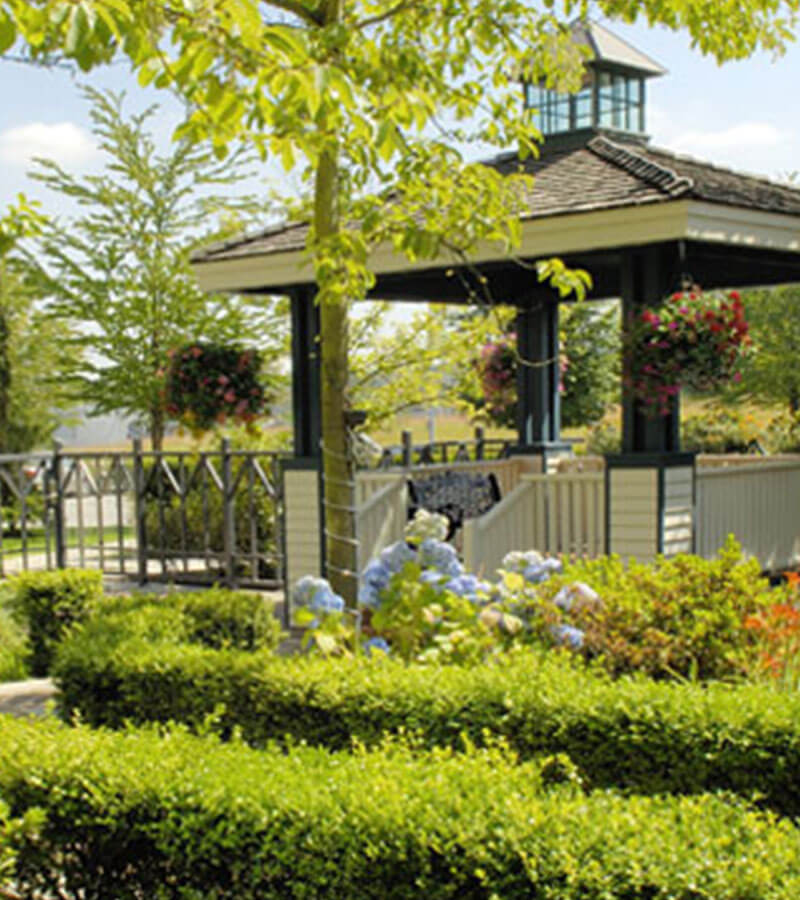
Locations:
(13, 649)
(48, 604)
(139, 815)
(632, 734)
(218, 618)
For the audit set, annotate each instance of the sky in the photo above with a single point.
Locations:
(745, 114)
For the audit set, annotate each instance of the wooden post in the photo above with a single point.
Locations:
(58, 511)
(407, 445)
(479, 443)
(228, 515)
(646, 278)
(140, 511)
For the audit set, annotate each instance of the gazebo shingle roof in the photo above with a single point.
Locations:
(597, 172)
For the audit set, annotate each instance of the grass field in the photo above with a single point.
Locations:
(447, 426)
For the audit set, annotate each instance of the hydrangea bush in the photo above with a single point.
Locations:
(418, 602)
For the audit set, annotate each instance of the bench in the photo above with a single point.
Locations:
(456, 495)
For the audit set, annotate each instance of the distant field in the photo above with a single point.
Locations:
(446, 427)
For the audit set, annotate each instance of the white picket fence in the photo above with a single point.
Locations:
(382, 497)
(758, 502)
(558, 514)
(380, 519)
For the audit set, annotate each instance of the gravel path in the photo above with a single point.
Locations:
(26, 698)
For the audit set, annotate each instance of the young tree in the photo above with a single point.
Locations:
(34, 364)
(590, 343)
(423, 361)
(771, 373)
(372, 97)
(119, 272)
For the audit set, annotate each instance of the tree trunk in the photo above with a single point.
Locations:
(794, 401)
(5, 365)
(157, 429)
(338, 494)
(337, 468)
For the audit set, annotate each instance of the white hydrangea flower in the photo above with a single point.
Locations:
(426, 525)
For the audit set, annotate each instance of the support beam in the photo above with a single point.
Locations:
(305, 374)
(647, 275)
(538, 375)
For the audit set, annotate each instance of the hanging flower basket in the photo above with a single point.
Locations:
(208, 384)
(497, 370)
(693, 340)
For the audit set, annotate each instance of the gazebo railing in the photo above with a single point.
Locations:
(407, 454)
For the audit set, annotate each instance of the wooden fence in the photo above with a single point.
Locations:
(562, 513)
(758, 502)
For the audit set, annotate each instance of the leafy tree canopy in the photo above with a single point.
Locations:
(119, 272)
(372, 97)
(770, 372)
(34, 360)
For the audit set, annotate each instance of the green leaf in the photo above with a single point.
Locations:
(8, 32)
(78, 31)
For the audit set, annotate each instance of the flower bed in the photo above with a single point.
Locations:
(140, 815)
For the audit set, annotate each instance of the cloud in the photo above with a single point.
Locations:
(744, 137)
(66, 142)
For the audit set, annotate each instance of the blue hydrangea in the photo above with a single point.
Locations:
(433, 578)
(563, 599)
(373, 580)
(438, 555)
(305, 589)
(552, 565)
(568, 636)
(396, 555)
(376, 645)
(468, 586)
(324, 600)
(535, 573)
(317, 594)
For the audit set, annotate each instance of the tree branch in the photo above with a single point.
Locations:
(384, 16)
(299, 9)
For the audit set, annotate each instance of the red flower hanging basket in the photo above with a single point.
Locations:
(208, 384)
(693, 340)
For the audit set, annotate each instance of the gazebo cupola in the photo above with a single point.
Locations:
(612, 96)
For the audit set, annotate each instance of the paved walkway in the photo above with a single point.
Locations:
(26, 698)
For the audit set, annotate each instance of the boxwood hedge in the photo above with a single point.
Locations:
(141, 815)
(631, 733)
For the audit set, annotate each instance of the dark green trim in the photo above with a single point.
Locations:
(649, 460)
(296, 463)
(660, 502)
(306, 377)
(541, 448)
(538, 396)
(608, 508)
(694, 508)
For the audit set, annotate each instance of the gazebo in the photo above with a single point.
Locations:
(636, 217)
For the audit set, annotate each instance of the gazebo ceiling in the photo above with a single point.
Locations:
(596, 196)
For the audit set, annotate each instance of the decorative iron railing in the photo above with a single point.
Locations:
(212, 516)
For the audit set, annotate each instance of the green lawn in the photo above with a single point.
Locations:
(36, 542)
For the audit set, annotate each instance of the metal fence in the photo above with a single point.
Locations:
(407, 454)
(205, 517)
